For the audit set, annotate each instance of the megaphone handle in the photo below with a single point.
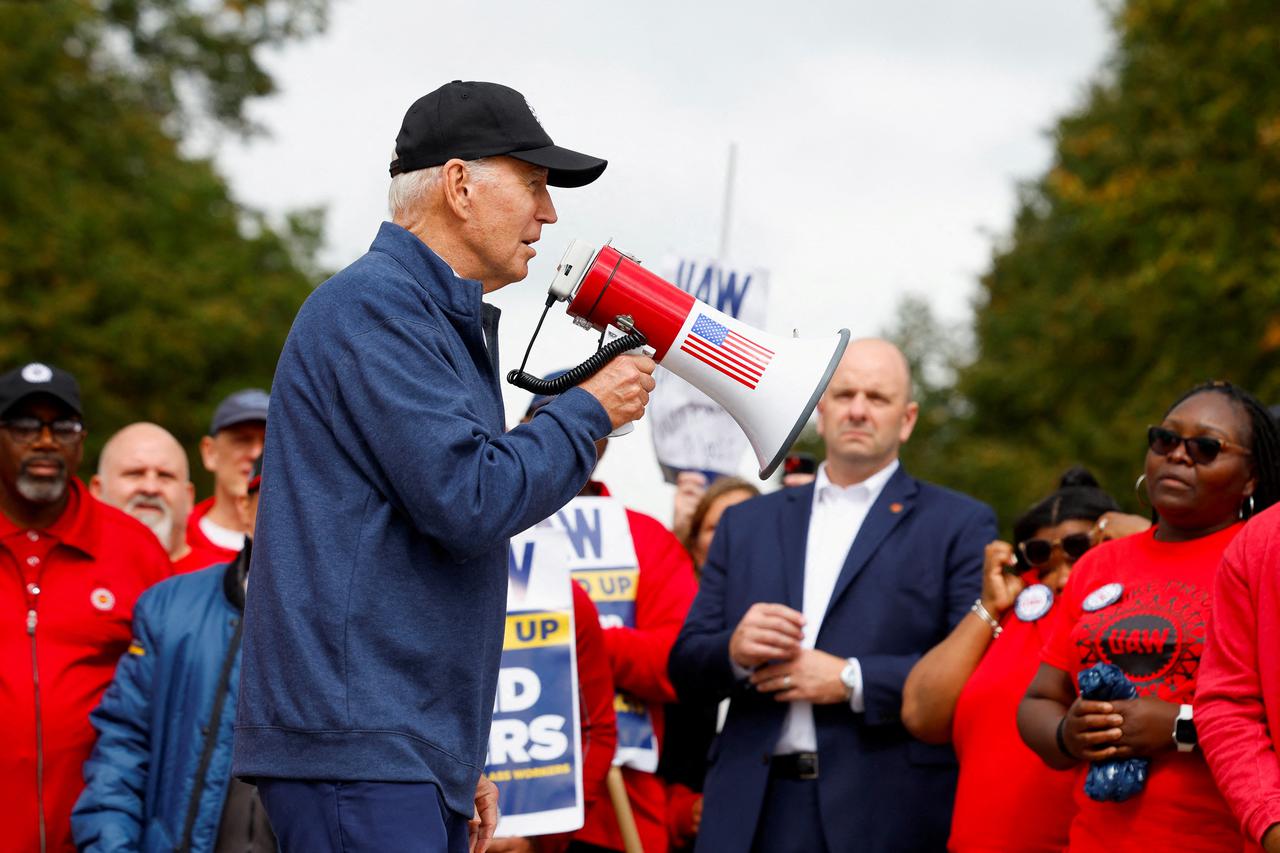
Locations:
(581, 373)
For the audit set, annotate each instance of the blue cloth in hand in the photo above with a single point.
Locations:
(1114, 780)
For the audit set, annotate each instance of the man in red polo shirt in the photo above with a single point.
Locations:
(143, 470)
(70, 570)
(234, 441)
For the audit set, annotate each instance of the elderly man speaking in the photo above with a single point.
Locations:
(374, 620)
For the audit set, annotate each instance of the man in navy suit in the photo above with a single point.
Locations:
(815, 602)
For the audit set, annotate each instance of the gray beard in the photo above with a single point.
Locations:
(42, 490)
(161, 525)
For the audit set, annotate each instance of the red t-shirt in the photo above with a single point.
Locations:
(1238, 694)
(1155, 632)
(199, 542)
(1006, 798)
(66, 601)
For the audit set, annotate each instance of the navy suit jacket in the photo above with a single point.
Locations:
(912, 573)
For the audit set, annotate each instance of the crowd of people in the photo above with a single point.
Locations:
(855, 661)
(860, 662)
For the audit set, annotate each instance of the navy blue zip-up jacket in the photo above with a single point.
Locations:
(375, 617)
(166, 717)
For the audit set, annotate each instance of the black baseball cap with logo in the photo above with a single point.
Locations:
(473, 120)
(39, 378)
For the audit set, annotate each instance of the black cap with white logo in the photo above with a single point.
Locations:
(38, 378)
(474, 120)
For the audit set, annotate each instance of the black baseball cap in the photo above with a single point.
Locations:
(241, 407)
(39, 378)
(473, 120)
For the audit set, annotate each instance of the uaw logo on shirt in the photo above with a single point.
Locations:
(1155, 633)
(604, 563)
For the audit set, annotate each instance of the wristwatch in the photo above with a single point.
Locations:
(848, 677)
(1184, 730)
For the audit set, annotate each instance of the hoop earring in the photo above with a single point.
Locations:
(1246, 508)
(1139, 487)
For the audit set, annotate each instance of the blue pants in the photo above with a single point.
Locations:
(352, 817)
(790, 821)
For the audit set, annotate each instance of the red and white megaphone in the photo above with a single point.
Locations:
(768, 384)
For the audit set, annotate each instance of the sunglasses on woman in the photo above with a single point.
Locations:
(1038, 552)
(1202, 449)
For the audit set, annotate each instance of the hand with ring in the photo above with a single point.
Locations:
(811, 676)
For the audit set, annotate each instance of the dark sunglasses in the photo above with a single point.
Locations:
(1202, 449)
(1038, 552)
(25, 430)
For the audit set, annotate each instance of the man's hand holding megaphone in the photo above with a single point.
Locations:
(622, 386)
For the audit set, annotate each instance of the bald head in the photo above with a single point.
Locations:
(143, 470)
(866, 413)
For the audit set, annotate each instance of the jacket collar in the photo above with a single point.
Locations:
(456, 295)
(233, 578)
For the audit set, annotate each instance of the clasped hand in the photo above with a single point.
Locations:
(1120, 728)
(767, 640)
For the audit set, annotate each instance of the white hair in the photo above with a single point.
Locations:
(409, 189)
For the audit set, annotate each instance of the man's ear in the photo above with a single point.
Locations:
(457, 188)
(95, 486)
(208, 455)
(908, 421)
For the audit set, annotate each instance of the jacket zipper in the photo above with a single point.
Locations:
(211, 735)
(33, 591)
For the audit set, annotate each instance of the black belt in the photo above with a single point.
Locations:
(794, 765)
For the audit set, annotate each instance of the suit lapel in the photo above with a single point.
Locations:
(894, 504)
(793, 533)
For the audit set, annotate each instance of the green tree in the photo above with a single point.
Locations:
(1146, 259)
(121, 259)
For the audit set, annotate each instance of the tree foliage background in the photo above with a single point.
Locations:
(122, 259)
(1145, 260)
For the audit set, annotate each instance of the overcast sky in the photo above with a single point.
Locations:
(879, 144)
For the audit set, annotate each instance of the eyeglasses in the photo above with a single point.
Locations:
(1201, 448)
(27, 430)
(1038, 552)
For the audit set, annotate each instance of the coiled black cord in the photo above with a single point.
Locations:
(582, 372)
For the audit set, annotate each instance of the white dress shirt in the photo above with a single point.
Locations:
(834, 522)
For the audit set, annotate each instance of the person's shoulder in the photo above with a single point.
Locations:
(181, 595)
(1258, 542)
(643, 524)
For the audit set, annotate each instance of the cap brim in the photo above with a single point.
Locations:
(65, 399)
(565, 168)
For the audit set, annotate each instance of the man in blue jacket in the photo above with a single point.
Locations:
(373, 634)
(159, 778)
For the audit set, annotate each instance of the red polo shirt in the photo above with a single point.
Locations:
(66, 601)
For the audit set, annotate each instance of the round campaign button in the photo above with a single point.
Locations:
(1103, 596)
(1033, 602)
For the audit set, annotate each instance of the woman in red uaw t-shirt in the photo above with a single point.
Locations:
(966, 689)
(1142, 603)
